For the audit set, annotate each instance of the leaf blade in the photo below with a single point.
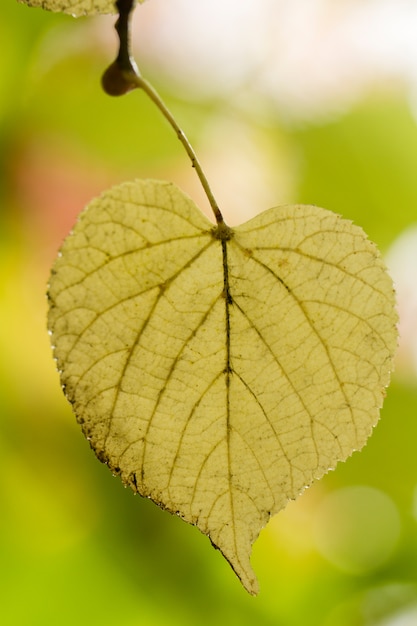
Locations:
(76, 8)
(220, 375)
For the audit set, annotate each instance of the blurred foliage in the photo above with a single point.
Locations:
(75, 546)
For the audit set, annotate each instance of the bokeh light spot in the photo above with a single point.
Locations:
(357, 529)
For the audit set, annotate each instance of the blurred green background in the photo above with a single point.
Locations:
(75, 546)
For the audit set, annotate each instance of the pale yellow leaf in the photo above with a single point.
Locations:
(76, 7)
(220, 372)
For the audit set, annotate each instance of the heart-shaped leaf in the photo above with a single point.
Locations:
(220, 371)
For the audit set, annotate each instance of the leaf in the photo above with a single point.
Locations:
(220, 371)
(76, 7)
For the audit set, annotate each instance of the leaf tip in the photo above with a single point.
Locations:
(248, 580)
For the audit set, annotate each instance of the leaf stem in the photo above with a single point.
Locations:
(123, 76)
(156, 99)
